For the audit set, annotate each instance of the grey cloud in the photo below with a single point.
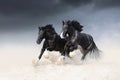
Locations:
(21, 14)
(37, 7)
(47, 7)
(26, 7)
(106, 3)
(76, 2)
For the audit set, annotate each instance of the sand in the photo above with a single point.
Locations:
(20, 63)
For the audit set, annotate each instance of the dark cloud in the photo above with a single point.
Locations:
(21, 14)
(47, 7)
(36, 7)
(26, 7)
(106, 3)
(24, 13)
(76, 2)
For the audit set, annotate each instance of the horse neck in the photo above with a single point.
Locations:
(72, 33)
(47, 37)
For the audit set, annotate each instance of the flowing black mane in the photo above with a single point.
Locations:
(50, 27)
(75, 24)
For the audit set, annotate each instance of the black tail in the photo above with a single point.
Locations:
(93, 49)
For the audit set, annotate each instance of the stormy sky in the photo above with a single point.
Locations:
(25, 15)
(19, 19)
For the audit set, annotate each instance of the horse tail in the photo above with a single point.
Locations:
(93, 49)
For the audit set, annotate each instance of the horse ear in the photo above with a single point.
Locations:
(63, 22)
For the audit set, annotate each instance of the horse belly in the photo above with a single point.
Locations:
(83, 42)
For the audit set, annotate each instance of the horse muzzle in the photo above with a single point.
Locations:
(65, 34)
(39, 41)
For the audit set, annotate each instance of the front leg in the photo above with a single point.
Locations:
(63, 53)
(45, 45)
(67, 48)
(42, 51)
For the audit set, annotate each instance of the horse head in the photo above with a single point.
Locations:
(66, 26)
(45, 32)
(70, 26)
(41, 33)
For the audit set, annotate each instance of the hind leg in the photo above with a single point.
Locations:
(84, 55)
(65, 53)
(84, 52)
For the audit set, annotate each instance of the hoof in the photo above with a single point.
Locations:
(82, 58)
(35, 62)
(46, 56)
(72, 55)
(60, 60)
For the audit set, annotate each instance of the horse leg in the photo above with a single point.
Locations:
(67, 53)
(66, 50)
(43, 49)
(84, 55)
(63, 53)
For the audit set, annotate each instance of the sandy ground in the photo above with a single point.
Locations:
(21, 65)
(17, 67)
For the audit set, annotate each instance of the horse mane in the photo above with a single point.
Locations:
(50, 27)
(77, 25)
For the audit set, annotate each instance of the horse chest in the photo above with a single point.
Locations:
(50, 42)
(74, 37)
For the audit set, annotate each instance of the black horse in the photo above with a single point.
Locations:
(53, 41)
(75, 38)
